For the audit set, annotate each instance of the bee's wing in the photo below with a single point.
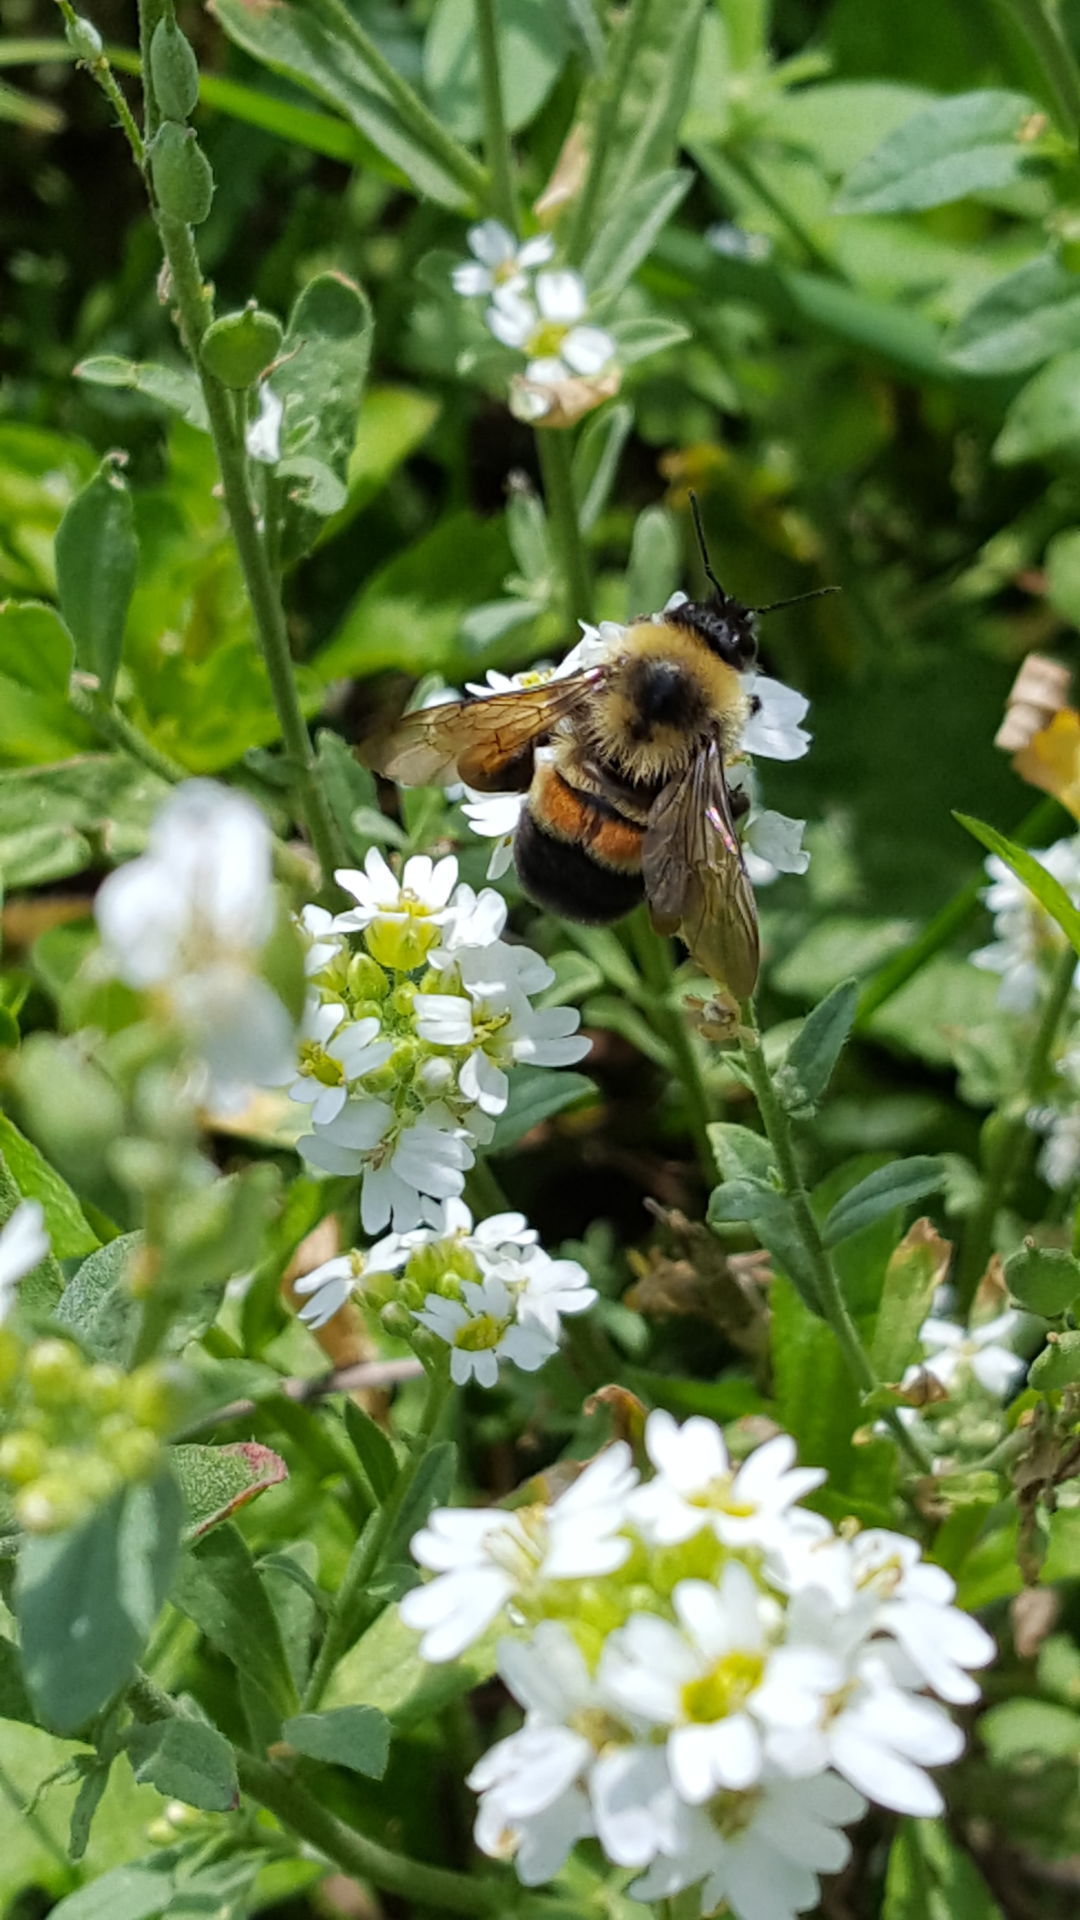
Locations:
(484, 742)
(695, 880)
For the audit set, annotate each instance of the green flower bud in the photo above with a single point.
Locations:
(85, 40)
(102, 1389)
(397, 1323)
(238, 347)
(174, 71)
(52, 1502)
(135, 1453)
(54, 1372)
(402, 998)
(183, 181)
(366, 979)
(401, 944)
(10, 1359)
(23, 1457)
(150, 1398)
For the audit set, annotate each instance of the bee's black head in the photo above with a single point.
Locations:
(725, 625)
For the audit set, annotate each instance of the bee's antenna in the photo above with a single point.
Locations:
(815, 593)
(700, 532)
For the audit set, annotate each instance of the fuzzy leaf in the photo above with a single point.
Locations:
(537, 1094)
(630, 230)
(219, 1588)
(1045, 414)
(97, 559)
(215, 1481)
(916, 1268)
(1025, 318)
(174, 387)
(185, 1760)
(802, 1080)
(1045, 1280)
(896, 1185)
(1048, 892)
(967, 144)
(1058, 1366)
(353, 1737)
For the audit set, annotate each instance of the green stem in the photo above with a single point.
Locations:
(442, 146)
(500, 157)
(630, 32)
(362, 1859)
(1009, 1150)
(747, 174)
(195, 311)
(150, 12)
(830, 1298)
(1055, 57)
(100, 70)
(371, 1546)
(554, 448)
(117, 731)
(657, 968)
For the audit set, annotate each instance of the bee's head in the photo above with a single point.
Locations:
(725, 625)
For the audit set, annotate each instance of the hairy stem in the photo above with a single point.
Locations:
(497, 146)
(99, 69)
(1009, 1150)
(370, 1548)
(831, 1301)
(554, 449)
(421, 122)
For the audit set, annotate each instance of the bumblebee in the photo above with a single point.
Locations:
(623, 769)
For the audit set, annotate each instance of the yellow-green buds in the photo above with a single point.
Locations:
(77, 1431)
(174, 71)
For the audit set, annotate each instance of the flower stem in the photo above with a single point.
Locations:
(1055, 57)
(420, 121)
(370, 1547)
(101, 71)
(1008, 1151)
(554, 450)
(497, 146)
(657, 970)
(362, 1859)
(630, 32)
(195, 313)
(830, 1298)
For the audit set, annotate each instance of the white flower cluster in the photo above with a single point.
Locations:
(954, 1354)
(772, 842)
(407, 1049)
(714, 1680)
(1026, 939)
(541, 314)
(188, 921)
(490, 1292)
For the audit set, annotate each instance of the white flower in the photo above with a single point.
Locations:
(498, 259)
(477, 920)
(334, 1282)
(321, 942)
(334, 1052)
(547, 1288)
(399, 1165)
(696, 1485)
(484, 1557)
(190, 918)
(1059, 1157)
(716, 1681)
(24, 1244)
(481, 1329)
(548, 328)
(1026, 936)
(981, 1351)
(263, 437)
(401, 919)
(772, 731)
(772, 844)
(495, 816)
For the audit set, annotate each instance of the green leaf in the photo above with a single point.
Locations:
(596, 463)
(1025, 318)
(70, 1233)
(373, 1450)
(185, 1760)
(14, 1699)
(1045, 414)
(930, 1878)
(349, 790)
(36, 649)
(627, 235)
(897, 1185)
(1059, 1366)
(1017, 1730)
(353, 1737)
(969, 144)
(320, 376)
(533, 44)
(773, 1220)
(174, 387)
(653, 98)
(292, 40)
(86, 1600)
(637, 339)
(916, 1268)
(1045, 1280)
(818, 1403)
(432, 1486)
(385, 1669)
(215, 1481)
(219, 1588)
(1048, 892)
(537, 1094)
(802, 1080)
(655, 564)
(97, 559)
(87, 1801)
(740, 1152)
(138, 1891)
(59, 820)
(98, 1305)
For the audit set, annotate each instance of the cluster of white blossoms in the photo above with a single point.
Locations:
(1024, 952)
(772, 842)
(953, 1355)
(715, 1680)
(188, 922)
(407, 1048)
(490, 1291)
(539, 311)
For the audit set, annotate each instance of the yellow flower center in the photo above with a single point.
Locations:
(716, 1497)
(546, 342)
(483, 1331)
(725, 1689)
(318, 1065)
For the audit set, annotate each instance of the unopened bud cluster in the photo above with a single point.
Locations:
(76, 1430)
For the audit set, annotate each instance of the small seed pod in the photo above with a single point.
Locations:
(84, 39)
(174, 71)
(183, 181)
(239, 346)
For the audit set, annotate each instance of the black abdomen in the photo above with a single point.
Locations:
(563, 876)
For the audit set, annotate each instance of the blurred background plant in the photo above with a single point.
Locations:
(818, 264)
